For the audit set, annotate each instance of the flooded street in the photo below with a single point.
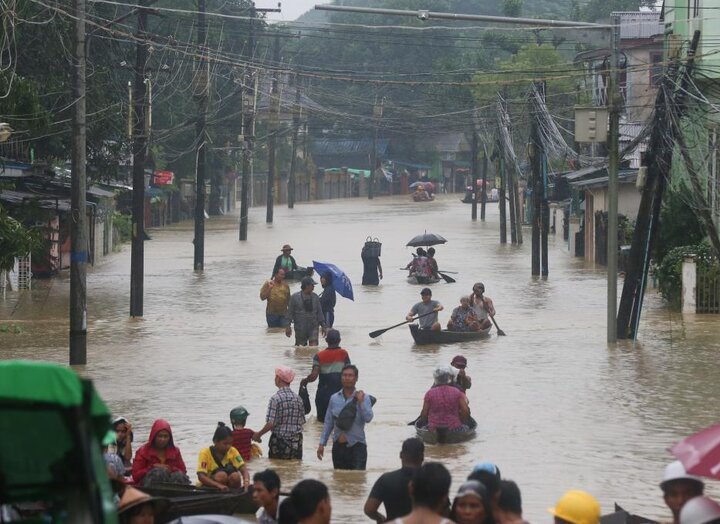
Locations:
(557, 409)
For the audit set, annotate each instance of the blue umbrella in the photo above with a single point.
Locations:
(341, 282)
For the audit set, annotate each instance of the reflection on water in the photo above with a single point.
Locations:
(557, 408)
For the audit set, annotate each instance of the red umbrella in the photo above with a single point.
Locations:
(700, 453)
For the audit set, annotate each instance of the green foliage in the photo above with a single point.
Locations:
(669, 271)
(15, 240)
(512, 8)
(679, 225)
(123, 226)
(11, 328)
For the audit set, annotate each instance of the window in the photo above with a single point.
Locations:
(656, 68)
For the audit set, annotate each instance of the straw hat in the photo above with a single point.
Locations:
(133, 497)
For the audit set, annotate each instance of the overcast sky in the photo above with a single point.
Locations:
(291, 9)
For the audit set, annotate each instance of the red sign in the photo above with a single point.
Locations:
(163, 178)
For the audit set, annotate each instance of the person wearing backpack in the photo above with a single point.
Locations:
(348, 411)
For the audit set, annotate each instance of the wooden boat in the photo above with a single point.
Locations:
(443, 435)
(414, 279)
(427, 336)
(191, 500)
(299, 273)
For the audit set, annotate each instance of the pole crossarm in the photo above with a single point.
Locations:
(427, 15)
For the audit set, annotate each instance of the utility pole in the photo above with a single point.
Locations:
(297, 110)
(501, 194)
(137, 256)
(201, 93)
(483, 193)
(78, 223)
(474, 173)
(536, 163)
(613, 167)
(249, 97)
(273, 131)
(377, 115)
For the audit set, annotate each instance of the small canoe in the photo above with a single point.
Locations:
(191, 500)
(414, 279)
(299, 273)
(443, 435)
(428, 336)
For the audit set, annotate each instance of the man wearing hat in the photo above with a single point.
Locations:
(285, 260)
(462, 381)
(285, 419)
(678, 487)
(305, 311)
(426, 310)
(327, 365)
(138, 506)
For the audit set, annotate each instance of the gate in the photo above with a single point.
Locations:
(708, 286)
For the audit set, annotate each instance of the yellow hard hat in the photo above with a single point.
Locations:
(577, 507)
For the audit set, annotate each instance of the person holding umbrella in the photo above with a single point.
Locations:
(328, 298)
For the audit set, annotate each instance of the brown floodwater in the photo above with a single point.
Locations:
(557, 407)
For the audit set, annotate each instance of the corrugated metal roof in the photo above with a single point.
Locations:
(625, 176)
(20, 197)
(639, 24)
(333, 146)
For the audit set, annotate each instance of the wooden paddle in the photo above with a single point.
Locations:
(501, 333)
(446, 278)
(379, 332)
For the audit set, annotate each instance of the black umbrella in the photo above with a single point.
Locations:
(426, 239)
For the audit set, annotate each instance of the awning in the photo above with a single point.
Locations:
(625, 176)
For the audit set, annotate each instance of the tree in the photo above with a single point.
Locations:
(15, 240)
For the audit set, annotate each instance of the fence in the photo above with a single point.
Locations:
(708, 287)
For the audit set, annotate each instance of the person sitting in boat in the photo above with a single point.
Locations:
(285, 260)
(242, 436)
(482, 305)
(463, 317)
(159, 460)
(123, 443)
(221, 466)
(444, 405)
(427, 311)
(432, 263)
(419, 266)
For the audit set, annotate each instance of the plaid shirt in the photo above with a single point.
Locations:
(286, 412)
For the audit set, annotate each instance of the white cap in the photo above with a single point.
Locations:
(676, 471)
(699, 510)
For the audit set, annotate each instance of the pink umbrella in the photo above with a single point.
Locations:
(700, 453)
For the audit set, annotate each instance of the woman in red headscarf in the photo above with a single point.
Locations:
(159, 460)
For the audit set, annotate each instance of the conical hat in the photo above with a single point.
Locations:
(133, 497)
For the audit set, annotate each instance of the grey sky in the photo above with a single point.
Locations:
(291, 9)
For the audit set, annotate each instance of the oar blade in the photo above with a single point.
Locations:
(377, 333)
(447, 278)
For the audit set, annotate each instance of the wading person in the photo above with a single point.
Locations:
(305, 312)
(462, 381)
(221, 466)
(678, 487)
(285, 419)
(428, 307)
(241, 435)
(266, 495)
(328, 298)
(509, 505)
(472, 504)
(429, 491)
(349, 449)
(285, 260)
(482, 305)
(310, 501)
(327, 366)
(277, 293)
(392, 488)
(576, 507)
(372, 269)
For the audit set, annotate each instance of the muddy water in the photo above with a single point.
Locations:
(557, 408)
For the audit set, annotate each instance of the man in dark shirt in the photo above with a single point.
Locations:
(391, 488)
